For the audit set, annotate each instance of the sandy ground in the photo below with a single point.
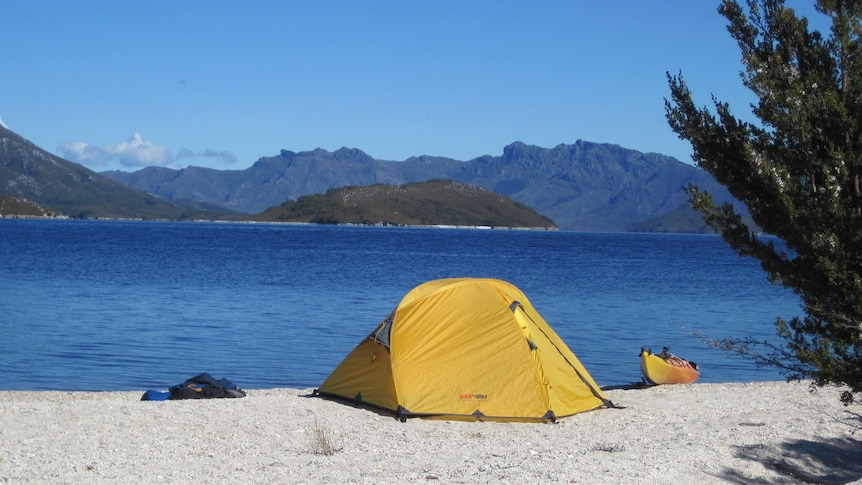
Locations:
(703, 433)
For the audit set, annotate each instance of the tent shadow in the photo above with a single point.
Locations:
(627, 387)
(831, 461)
(354, 404)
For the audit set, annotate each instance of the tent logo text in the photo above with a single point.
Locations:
(471, 397)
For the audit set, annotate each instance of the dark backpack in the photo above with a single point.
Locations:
(202, 386)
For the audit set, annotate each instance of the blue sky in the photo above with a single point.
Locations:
(122, 85)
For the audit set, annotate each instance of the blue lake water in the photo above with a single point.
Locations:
(114, 305)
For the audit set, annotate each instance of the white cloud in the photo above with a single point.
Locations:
(225, 157)
(3, 124)
(134, 153)
(185, 154)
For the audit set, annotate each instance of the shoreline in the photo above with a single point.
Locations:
(286, 223)
(700, 433)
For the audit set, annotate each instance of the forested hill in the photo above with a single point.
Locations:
(438, 202)
(581, 186)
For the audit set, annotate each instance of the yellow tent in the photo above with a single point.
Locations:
(465, 348)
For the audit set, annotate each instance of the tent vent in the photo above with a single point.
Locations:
(381, 333)
(514, 306)
(531, 344)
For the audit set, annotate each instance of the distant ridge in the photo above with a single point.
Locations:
(438, 202)
(582, 186)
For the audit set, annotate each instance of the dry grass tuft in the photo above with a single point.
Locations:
(322, 442)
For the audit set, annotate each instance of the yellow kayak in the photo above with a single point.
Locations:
(666, 368)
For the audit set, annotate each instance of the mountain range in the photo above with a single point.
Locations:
(582, 186)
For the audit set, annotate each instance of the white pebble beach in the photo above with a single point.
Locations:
(772, 432)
